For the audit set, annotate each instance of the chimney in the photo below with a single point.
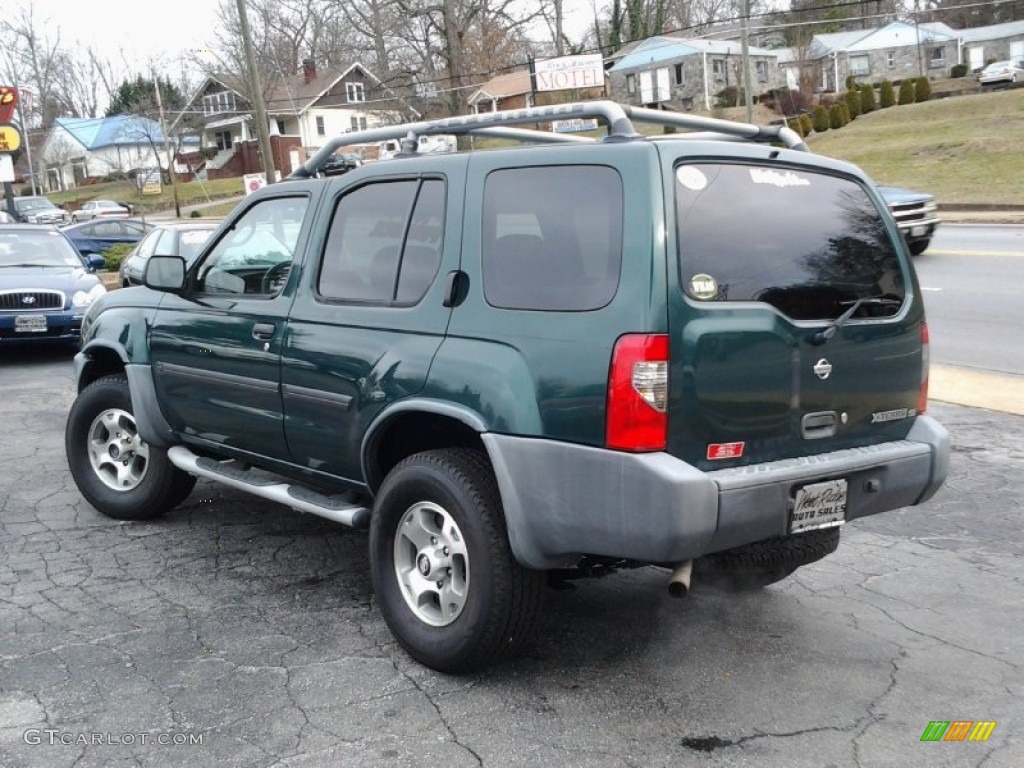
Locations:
(308, 71)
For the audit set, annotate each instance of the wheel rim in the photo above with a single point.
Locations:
(431, 564)
(119, 457)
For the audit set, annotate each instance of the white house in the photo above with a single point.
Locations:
(78, 148)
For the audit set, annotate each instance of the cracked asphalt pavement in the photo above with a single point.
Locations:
(252, 629)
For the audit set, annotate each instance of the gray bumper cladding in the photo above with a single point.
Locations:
(563, 500)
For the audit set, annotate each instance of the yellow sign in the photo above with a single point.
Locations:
(10, 138)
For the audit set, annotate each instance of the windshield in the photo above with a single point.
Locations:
(191, 242)
(33, 204)
(37, 249)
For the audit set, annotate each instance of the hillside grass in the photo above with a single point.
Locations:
(968, 149)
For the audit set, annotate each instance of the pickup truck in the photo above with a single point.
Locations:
(915, 216)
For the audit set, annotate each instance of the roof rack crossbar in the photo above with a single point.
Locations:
(610, 112)
(617, 117)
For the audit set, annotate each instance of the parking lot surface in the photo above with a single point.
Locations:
(235, 632)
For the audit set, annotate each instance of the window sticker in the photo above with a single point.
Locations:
(778, 179)
(703, 287)
(691, 178)
(196, 237)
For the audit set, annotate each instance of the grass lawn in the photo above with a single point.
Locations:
(962, 150)
(126, 192)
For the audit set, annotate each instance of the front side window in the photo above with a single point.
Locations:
(937, 58)
(254, 256)
(806, 243)
(630, 83)
(552, 237)
(385, 243)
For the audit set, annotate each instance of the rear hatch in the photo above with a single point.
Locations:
(795, 324)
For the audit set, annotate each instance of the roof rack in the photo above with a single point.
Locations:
(618, 119)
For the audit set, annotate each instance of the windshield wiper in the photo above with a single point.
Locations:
(821, 337)
(26, 264)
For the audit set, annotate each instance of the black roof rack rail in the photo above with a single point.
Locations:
(617, 117)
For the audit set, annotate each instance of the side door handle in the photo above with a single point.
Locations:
(263, 331)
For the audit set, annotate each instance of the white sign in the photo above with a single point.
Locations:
(574, 125)
(586, 71)
(6, 169)
(254, 181)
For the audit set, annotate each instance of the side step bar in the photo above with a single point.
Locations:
(336, 508)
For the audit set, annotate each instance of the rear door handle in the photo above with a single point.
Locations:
(263, 331)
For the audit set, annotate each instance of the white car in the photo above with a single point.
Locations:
(1002, 72)
(100, 209)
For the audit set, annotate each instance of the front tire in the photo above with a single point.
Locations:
(114, 468)
(444, 575)
(918, 247)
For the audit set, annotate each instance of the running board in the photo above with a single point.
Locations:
(336, 508)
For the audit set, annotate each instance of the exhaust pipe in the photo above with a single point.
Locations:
(679, 581)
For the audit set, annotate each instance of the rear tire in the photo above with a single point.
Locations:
(114, 468)
(444, 575)
(764, 562)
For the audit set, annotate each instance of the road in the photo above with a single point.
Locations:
(973, 279)
(253, 629)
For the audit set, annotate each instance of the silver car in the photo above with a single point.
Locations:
(100, 209)
(1002, 72)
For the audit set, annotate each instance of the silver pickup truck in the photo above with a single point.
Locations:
(915, 214)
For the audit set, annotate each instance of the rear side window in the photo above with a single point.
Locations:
(552, 237)
(809, 244)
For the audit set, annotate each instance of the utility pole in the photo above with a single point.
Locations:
(28, 142)
(171, 176)
(745, 50)
(262, 129)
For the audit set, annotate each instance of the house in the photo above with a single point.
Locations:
(687, 73)
(997, 42)
(80, 148)
(303, 112)
(510, 91)
(893, 52)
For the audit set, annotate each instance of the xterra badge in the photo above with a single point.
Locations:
(894, 415)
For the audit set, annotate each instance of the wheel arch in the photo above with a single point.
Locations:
(96, 360)
(413, 426)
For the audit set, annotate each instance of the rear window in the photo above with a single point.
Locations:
(808, 244)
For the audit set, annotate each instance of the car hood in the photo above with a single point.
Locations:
(67, 279)
(896, 195)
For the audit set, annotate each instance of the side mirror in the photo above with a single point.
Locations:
(95, 261)
(165, 273)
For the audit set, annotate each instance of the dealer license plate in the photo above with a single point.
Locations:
(30, 324)
(819, 505)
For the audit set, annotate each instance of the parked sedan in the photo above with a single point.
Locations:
(97, 236)
(46, 286)
(100, 209)
(185, 239)
(1002, 72)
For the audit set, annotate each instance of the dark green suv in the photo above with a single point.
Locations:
(704, 351)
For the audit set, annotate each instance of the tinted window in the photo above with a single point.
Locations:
(552, 237)
(806, 243)
(363, 252)
(421, 255)
(191, 242)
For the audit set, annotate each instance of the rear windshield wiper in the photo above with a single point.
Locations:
(821, 337)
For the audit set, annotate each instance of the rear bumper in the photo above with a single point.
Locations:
(563, 500)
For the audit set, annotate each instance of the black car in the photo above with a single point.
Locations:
(335, 165)
(183, 239)
(45, 285)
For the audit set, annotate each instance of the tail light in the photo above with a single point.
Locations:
(637, 418)
(922, 396)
